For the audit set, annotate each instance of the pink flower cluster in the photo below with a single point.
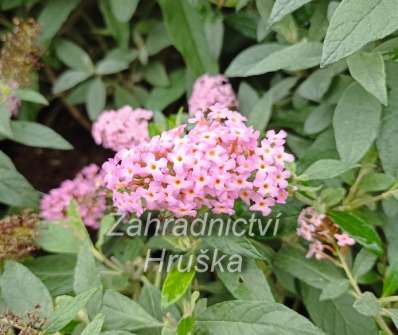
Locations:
(217, 162)
(85, 189)
(209, 91)
(122, 129)
(321, 233)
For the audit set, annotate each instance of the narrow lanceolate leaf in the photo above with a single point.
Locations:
(37, 135)
(31, 96)
(273, 57)
(390, 286)
(23, 291)
(356, 23)
(5, 126)
(15, 190)
(253, 318)
(122, 313)
(176, 284)
(250, 284)
(95, 326)
(67, 311)
(356, 123)
(96, 98)
(284, 7)
(74, 56)
(388, 137)
(187, 33)
(337, 316)
(326, 169)
(53, 17)
(261, 113)
(335, 289)
(362, 231)
(368, 305)
(314, 273)
(69, 79)
(369, 71)
(123, 10)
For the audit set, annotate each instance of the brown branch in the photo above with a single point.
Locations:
(70, 108)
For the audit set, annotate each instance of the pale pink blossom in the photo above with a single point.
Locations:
(122, 129)
(213, 90)
(212, 165)
(85, 189)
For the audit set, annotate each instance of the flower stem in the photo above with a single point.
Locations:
(379, 319)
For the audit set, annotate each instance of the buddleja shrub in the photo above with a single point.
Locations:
(251, 185)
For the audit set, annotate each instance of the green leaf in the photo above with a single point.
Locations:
(312, 272)
(331, 196)
(31, 96)
(250, 284)
(334, 289)
(214, 30)
(369, 71)
(157, 39)
(5, 124)
(273, 57)
(318, 83)
(67, 311)
(390, 286)
(368, 305)
(155, 74)
(394, 316)
(359, 229)
(284, 7)
(125, 97)
(74, 56)
(122, 313)
(186, 326)
(186, 30)
(107, 222)
(96, 98)
(253, 318)
(57, 237)
(23, 291)
(87, 276)
(176, 285)
(37, 135)
(115, 61)
(349, 29)
(124, 9)
(353, 136)
(161, 97)
(69, 79)
(247, 97)
(95, 326)
(388, 137)
(326, 169)
(364, 262)
(53, 16)
(319, 119)
(337, 317)
(15, 190)
(119, 30)
(233, 245)
(375, 182)
(261, 112)
(55, 271)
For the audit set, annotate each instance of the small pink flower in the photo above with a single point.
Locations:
(85, 189)
(344, 240)
(212, 90)
(122, 129)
